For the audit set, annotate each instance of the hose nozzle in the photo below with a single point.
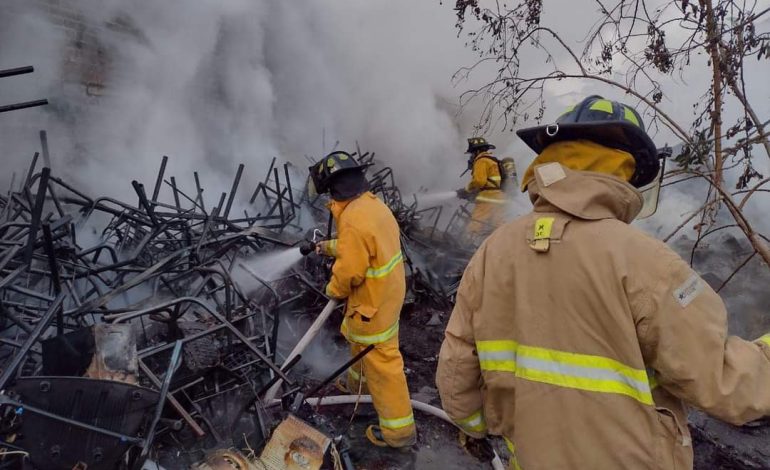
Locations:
(307, 247)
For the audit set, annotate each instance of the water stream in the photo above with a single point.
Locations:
(272, 265)
(435, 198)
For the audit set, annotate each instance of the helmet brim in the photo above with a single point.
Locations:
(620, 135)
(480, 148)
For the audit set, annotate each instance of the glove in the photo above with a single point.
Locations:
(462, 193)
(480, 449)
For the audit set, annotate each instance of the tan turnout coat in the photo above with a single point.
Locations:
(580, 339)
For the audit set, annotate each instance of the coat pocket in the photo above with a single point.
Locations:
(363, 312)
(673, 445)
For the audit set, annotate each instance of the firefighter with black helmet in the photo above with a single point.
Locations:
(485, 188)
(580, 339)
(368, 272)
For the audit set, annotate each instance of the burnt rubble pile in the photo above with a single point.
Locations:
(129, 332)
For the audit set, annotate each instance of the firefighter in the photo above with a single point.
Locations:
(485, 188)
(581, 339)
(369, 273)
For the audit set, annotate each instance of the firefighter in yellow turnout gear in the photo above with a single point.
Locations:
(485, 188)
(369, 273)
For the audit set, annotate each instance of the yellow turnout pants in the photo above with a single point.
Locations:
(381, 374)
(486, 217)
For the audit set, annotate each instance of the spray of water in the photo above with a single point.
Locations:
(271, 266)
(435, 198)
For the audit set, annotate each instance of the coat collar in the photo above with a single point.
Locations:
(337, 207)
(583, 194)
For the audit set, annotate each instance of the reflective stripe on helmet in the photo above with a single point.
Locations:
(602, 105)
(565, 369)
(629, 115)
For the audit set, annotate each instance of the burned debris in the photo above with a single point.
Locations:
(135, 331)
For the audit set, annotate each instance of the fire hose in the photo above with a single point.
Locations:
(311, 333)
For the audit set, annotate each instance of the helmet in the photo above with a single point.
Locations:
(336, 163)
(607, 123)
(478, 144)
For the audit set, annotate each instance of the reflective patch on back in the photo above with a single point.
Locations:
(550, 173)
(541, 237)
(543, 227)
(688, 291)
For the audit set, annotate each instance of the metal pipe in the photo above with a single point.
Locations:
(24, 105)
(172, 366)
(37, 212)
(44, 148)
(233, 190)
(42, 325)
(196, 429)
(16, 71)
(159, 181)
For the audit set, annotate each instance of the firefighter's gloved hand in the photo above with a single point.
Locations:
(478, 448)
(462, 193)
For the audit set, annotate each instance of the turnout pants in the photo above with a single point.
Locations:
(486, 217)
(381, 374)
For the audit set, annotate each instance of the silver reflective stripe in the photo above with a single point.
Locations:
(564, 369)
(396, 423)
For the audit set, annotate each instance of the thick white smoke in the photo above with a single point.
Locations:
(216, 83)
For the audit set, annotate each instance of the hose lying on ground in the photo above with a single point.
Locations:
(497, 463)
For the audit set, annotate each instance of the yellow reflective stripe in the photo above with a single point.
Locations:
(370, 339)
(474, 422)
(630, 116)
(489, 199)
(565, 369)
(331, 248)
(495, 178)
(512, 450)
(355, 375)
(651, 379)
(397, 423)
(383, 271)
(765, 339)
(602, 105)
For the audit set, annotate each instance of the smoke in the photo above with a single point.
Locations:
(216, 83)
